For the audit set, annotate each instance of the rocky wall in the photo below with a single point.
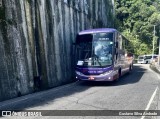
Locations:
(36, 41)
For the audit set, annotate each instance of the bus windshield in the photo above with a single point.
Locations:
(148, 57)
(141, 57)
(95, 49)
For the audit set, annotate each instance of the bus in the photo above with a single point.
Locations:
(145, 59)
(101, 55)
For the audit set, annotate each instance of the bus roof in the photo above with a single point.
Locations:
(98, 30)
(147, 55)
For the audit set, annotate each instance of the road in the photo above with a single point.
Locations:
(134, 91)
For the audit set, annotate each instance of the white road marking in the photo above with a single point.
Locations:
(12, 101)
(150, 101)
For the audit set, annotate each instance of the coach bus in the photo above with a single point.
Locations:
(145, 59)
(101, 55)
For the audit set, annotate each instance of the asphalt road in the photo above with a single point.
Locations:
(135, 91)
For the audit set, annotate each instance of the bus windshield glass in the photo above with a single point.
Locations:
(141, 57)
(148, 57)
(95, 49)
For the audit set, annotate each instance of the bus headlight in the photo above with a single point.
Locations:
(78, 73)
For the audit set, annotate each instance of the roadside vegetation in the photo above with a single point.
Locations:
(136, 20)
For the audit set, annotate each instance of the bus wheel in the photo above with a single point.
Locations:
(146, 62)
(130, 68)
(119, 75)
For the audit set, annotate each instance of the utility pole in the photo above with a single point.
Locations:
(159, 50)
(154, 34)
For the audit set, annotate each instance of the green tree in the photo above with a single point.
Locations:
(137, 18)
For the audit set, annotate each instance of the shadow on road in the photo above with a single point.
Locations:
(46, 97)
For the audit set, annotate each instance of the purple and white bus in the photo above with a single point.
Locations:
(101, 55)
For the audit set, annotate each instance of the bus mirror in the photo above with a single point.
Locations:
(116, 44)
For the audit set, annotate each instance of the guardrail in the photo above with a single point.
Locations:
(155, 65)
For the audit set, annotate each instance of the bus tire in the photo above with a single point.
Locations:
(119, 75)
(130, 68)
(146, 62)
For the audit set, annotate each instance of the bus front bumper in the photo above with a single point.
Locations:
(102, 77)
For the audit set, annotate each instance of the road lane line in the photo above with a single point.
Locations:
(150, 101)
(33, 95)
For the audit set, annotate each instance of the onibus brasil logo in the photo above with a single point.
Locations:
(24, 113)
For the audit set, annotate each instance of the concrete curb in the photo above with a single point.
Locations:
(154, 68)
(36, 95)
